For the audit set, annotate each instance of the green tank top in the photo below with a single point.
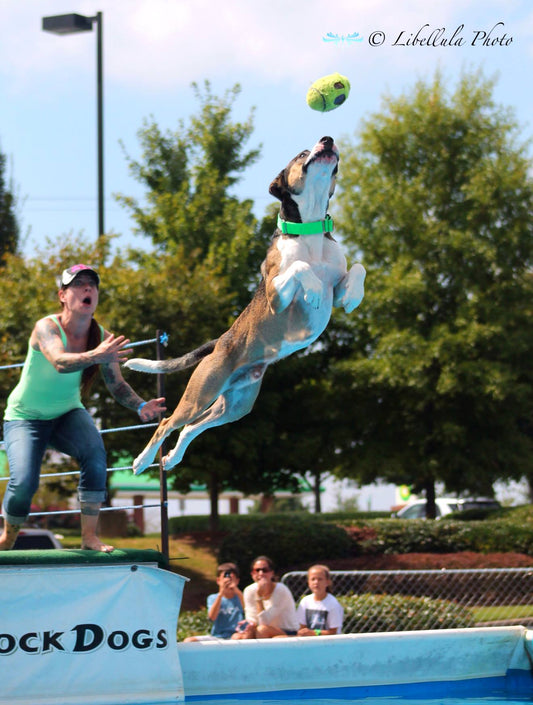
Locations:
(42, 392)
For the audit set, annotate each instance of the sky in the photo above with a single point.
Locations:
(153, 50)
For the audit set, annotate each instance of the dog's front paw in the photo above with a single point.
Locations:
(140, 464)
(355, 288)
(138, 467)
(171, 459)
(313, 297)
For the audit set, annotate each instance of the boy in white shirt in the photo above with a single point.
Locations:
(319, 613)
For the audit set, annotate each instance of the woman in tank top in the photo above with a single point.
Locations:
(45, 409)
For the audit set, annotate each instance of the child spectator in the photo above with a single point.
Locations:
(225, 608)
(319, 613)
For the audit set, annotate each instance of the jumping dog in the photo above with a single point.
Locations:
(303, 276)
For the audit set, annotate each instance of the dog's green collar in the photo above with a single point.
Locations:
(315, 228)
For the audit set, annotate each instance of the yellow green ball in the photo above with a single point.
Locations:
(328, 92)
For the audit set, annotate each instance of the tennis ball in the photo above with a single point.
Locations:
(328, 92)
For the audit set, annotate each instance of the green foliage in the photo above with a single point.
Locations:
(188, 175)
(417, 536)
(200, 523)
(439, 381)
(193, 623)
(390, 536)
(9, 228)
(394, 613)
(474, 514)
(289, 540)
(238, 522)
(348, 517)
(280, 505)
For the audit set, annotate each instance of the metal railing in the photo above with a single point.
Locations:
(400, 600)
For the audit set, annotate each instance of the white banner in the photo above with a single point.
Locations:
(89, 634)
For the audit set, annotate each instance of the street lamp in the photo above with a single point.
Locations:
(71, 24)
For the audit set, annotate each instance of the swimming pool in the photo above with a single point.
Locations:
(104, 634)
(453, 663)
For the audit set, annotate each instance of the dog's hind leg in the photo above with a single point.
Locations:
(147, 457)
(230, 406)
(205, 385)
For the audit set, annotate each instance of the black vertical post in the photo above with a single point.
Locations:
(100, 120)
(162, 472)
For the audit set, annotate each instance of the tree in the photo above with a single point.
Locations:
(189, 208)
(9, 229)
(208, 234)
(439, 190)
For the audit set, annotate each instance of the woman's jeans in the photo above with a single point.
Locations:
(74, 434)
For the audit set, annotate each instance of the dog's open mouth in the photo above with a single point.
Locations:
(324, 151)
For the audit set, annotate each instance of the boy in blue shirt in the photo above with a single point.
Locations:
(225, 608)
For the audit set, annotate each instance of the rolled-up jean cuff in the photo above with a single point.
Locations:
(10, 519)
(92, 496)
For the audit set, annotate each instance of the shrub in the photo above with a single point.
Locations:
(234, 522)
(289, 540)
(417, 536)
(387, 536)
(193, 623)
(393, 613)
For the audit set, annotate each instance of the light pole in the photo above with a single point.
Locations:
(71, 24)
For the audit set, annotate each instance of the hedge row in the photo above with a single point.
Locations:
(293, 543)
(385, 536)
(368, 613)
(394, 613)
(232, 522)
(295, 540)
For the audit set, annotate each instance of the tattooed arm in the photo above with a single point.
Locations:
(119, 388)
(126, 396)
(47, 338)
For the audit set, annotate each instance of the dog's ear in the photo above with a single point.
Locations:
(277, 187)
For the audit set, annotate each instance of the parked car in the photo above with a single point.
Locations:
(445, 505)
(32, 539)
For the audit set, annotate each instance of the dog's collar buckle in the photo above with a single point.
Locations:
(317, 227)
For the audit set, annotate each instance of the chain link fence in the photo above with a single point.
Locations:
(400, 600)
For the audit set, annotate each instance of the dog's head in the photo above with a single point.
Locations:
(307, 183)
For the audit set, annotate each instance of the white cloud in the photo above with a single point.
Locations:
(160, 45)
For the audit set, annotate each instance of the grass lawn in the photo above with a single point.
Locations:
(502, 612)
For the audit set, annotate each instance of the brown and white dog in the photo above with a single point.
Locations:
(303, 276)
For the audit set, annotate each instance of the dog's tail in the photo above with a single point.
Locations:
(175, 365)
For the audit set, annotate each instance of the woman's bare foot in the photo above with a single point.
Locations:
(9, 536)
(89, 523)
(94, 544)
